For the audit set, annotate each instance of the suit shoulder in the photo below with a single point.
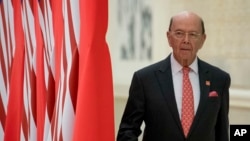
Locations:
(214, 69)
(153, 67)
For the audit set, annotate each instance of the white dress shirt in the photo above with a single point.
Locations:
(177, 82)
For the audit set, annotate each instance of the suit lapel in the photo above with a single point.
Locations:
(164, 75)
(204, 78)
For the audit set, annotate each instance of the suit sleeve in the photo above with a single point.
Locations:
(222, 125)
(129, 129)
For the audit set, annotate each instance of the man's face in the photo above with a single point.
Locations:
(186, 37)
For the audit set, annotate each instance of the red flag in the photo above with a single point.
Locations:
(94, 119)
(15, 104)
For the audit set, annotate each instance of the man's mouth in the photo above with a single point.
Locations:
(185, 49)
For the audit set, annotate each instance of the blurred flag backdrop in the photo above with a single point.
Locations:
(55, 71)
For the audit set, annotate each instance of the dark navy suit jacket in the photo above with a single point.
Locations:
(152, 100)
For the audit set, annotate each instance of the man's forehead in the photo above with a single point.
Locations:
(186, 15)
(186, 19)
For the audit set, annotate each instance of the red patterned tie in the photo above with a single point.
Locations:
(187, 114)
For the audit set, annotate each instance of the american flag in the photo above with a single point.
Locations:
(55, 71)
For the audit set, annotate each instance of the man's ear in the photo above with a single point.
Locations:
(169, 38)
(204, 36)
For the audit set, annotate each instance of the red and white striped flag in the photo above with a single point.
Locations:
(41, 90)
(55, 71)
(46, 106)
(32, 43)
(7, 43)
(64, 113)
(12, 131)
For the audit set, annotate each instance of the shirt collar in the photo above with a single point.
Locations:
(176, 67)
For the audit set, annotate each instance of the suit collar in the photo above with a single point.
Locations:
(177, 67)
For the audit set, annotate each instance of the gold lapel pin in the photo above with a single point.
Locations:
(208, 83)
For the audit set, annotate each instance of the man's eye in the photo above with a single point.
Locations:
(192, 34)
(179, 33)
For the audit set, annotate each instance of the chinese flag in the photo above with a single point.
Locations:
(94, 120)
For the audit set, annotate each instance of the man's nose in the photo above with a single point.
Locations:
(186, 38)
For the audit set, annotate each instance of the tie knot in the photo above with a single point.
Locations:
(185, 70)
